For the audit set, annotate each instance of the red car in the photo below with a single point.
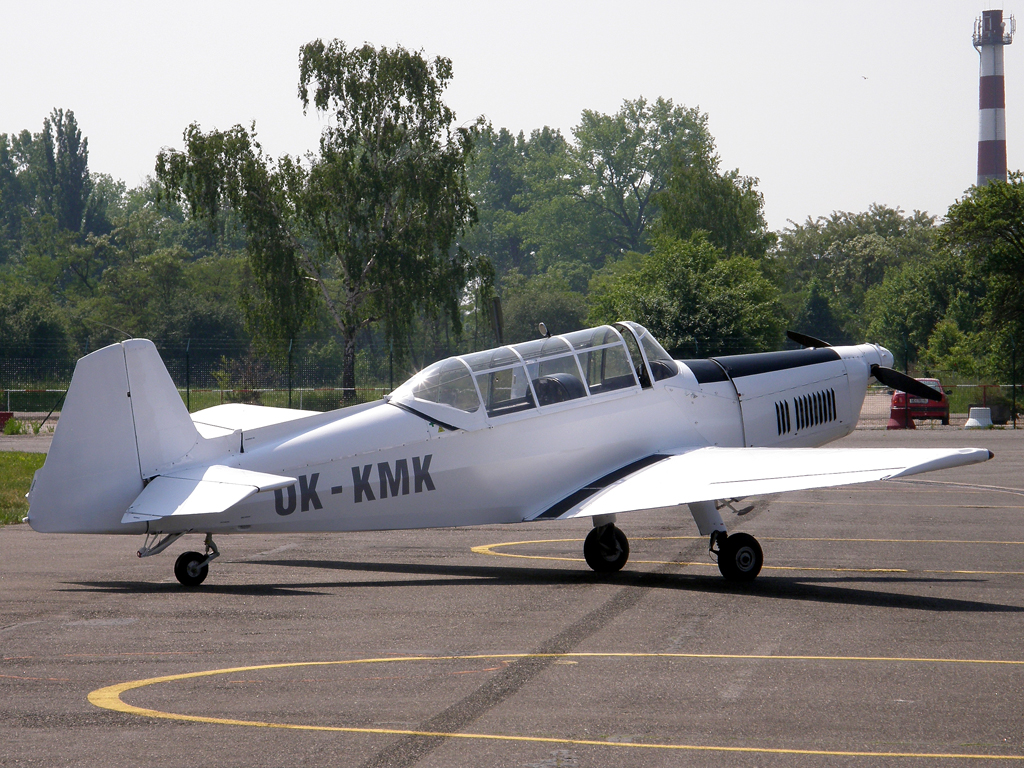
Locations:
(920, 408)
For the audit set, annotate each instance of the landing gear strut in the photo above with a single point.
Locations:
(606, 548)
(739, 556)
(192, 568)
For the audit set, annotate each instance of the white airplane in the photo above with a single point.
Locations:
(588, 424)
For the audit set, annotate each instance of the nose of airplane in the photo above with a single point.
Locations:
(885, 357)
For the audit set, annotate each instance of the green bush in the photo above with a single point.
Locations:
(16, 470)
(13, 427)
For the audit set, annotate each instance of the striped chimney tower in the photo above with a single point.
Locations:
(990, 35)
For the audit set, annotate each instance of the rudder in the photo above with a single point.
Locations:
(121, 421)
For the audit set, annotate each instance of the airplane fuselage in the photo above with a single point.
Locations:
(391, 465)
(591, 424)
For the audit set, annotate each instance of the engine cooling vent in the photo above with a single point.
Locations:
(782, 417)
(809, 410)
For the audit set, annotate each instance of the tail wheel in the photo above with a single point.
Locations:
(606, 549)
(191, 569)
(740, 557)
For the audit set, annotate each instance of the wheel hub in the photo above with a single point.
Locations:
(745, 559)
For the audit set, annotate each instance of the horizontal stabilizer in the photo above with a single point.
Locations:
(199, 491)
(708, 474)
(232, 416)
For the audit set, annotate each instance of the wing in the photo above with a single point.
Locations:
(707, 474)
(199, 491)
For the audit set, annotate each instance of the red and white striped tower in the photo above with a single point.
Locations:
(990, 35)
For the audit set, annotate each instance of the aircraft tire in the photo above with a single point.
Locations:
(606, 549)
(740, 557)
(190, 576)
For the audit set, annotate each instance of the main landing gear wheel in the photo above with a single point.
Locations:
(606, 549)
(191, 569)
(739, 557)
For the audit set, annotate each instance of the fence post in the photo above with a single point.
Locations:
(1013, 377)
(188, 382)
(290, 342)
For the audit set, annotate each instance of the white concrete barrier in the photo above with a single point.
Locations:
(979, 418)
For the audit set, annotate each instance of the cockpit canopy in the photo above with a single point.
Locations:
(543, 372)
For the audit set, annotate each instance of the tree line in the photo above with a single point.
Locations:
(398, 231)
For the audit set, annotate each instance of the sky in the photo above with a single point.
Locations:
(831, 105)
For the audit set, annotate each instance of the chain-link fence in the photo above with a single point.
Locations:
(309, 378)
(29, 386)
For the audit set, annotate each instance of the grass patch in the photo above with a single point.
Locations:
(16, 470)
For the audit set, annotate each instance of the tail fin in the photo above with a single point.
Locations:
(122, 421)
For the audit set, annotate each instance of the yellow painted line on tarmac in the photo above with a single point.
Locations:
(902, 505)
(489, 549)
(890, 570)
(110, 698)
(885, 485)
(971, 487)
(890, 541)
(919, 487)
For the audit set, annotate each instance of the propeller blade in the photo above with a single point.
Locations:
(806, 341)
(903, 383)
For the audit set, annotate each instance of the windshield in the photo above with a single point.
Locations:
(661, 362)
(449, 383)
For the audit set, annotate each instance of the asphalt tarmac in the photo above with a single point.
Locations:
(884, 630)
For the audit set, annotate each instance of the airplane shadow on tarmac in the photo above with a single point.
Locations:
(821, 589)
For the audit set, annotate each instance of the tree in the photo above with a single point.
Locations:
(13, 197)
(63, 183)
(848, 254)
(169, 298)
(987, 226)
(547, 202)
(367, 227)
(950, 349)
(816, 246)
(817, 318)
(528, 219)
(545, 298)
(695, 299)
(726, 206)
(498, 185)
(31, 324)
(45, 178)
(624, 162)
(904, 310)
